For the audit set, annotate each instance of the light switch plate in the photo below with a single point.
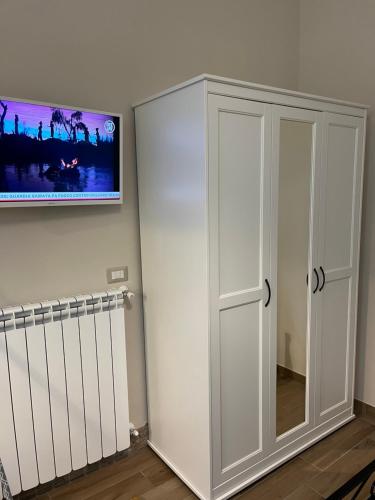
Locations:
(117, 274)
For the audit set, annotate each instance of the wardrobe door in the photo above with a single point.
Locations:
(338, 262)
(239, 203)
(296, 146)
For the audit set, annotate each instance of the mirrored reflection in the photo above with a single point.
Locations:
(293, 252)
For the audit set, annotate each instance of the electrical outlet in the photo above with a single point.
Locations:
(117, 274)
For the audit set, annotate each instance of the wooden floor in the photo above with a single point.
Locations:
(313, 475)
(290, 403)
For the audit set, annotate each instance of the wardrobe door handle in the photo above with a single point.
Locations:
(324, 278)
(317, 280)
(269, 293)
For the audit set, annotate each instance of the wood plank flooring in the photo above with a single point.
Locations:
(290, 403)
(313, 475)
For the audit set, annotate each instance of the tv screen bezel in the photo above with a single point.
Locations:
(48, 203)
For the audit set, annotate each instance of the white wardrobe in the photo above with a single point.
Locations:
(250, 212)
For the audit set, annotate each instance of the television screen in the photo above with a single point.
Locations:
(56, 155)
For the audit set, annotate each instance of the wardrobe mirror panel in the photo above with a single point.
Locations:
(295, 169)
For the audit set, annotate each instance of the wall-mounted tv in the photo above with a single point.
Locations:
(58, 155)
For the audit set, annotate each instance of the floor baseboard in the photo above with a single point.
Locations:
(283, 372)
(362, 409)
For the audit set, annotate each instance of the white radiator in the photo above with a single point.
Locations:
(63, 386)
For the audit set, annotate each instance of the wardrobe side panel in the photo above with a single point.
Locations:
(171, 157)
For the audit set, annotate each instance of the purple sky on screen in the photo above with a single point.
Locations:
(31, 114)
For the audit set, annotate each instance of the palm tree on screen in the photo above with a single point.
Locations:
(2, 117)
(71, 124)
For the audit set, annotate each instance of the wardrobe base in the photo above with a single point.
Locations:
(279, 457)
(256, 472)
(176, 470)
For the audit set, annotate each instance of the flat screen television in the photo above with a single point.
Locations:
(58, 155)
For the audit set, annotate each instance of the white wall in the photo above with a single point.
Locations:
(293, 243)
(337, 40)
(107, 55)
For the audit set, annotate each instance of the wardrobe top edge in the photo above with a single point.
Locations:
(252, 86)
